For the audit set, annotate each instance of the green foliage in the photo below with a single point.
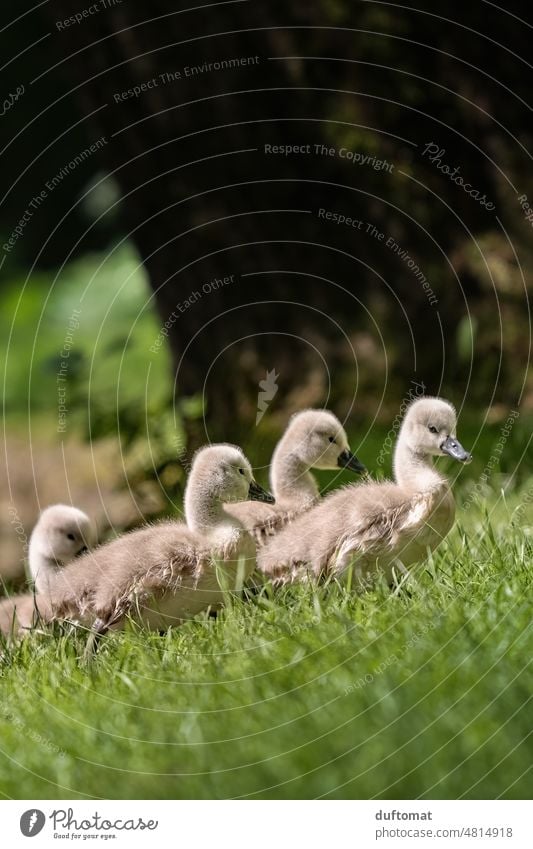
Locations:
(305, 692)
(110, 370)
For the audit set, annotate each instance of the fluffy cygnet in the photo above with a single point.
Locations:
(169, 572)
(374, 527)
(314, 439)
(61, 533)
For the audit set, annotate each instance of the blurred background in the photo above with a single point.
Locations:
(214, 217)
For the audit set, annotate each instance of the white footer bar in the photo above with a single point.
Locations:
(267, 824)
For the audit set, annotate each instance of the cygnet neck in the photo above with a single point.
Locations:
(415, 471)
(292, 482)
(42, 568)
(204, 511)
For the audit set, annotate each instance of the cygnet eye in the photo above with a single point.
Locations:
(432, 429)
(241, 471)
(71, 536)
(332, 439)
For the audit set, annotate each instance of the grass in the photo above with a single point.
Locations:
(309, 692)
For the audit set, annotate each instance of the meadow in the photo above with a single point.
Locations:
(213, 211)
(305, 692)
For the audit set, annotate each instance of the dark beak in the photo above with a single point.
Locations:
(82, 551)
(454, 449)
(257, 493)
(347, 460)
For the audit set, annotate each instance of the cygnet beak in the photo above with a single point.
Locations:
(257, 493)
(82, 551)
(347, 460)
(453, 448)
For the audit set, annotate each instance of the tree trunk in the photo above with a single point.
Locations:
(250, 269)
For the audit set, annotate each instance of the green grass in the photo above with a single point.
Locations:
(304, 693)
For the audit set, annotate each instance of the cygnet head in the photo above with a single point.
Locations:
(61, 533)
(223, 474)
(429, 429)
(319, 440)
